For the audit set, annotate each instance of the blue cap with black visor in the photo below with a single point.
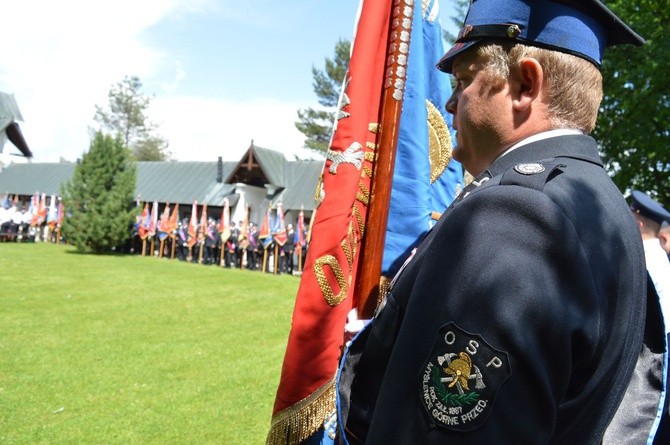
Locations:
(583, 28)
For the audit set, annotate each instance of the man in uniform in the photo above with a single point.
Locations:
(519, 319)
(650, 215)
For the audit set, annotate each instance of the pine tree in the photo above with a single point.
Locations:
(317, 125)
(126, 116)
(98, 198)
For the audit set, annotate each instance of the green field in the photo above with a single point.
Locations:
(111, 349)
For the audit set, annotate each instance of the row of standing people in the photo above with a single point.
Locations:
(234, 248)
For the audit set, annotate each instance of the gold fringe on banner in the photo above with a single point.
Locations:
(296, 423)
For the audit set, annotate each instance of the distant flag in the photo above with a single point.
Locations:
(299, 239)
(61, 212)
(193, 225)
(145, 222)
(164, 223)
(42, 209)
(154, 220)
(203, 221)
(52, 213)
(264, 234)
(305, 401)
(33, 209)
(243, 237)
(279, 229)
(224, 224)
(173, 222)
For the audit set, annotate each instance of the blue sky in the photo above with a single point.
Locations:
(221, 72)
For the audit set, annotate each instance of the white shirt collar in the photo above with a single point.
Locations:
(541, 136)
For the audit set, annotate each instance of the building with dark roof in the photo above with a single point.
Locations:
(261, 179)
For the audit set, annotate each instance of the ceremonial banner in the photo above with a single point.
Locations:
(145, 222)
(306, 393)
(224, 227)
(202, 230)
(279, 229)
(173, 222)
(264, 233)
(42, 209)
(299, 238)
(164, 223)
(396, 47)
(193, 225)
(52, 213)
(154, 220)
(243, 237)
(425, 178)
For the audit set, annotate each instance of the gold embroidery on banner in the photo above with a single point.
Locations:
(370, 156)
(363, 195)
(331, 298)
(359, 220)
(439, 142)
(373, 127)
(347, 247)
(371, 145)
(366, 172)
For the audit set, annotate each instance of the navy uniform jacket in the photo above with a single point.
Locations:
(518, 320)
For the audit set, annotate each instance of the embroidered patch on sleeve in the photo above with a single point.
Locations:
(461, 378)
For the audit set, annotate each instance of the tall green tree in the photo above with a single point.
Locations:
(125, 115)
(99, 197)
(317, 124)
(634, 123)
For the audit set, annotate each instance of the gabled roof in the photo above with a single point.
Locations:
(302, 178)
(28, 179)
(259, 166)
(182, 182)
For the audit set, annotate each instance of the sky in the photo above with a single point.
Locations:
(220, 73)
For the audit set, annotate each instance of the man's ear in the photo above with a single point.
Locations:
(528, 83)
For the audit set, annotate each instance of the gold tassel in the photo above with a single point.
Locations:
(296, 423)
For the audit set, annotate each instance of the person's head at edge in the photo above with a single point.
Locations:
(529, 69)
(664, 236)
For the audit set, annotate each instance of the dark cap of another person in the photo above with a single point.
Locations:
(583, 28)
(647, 207)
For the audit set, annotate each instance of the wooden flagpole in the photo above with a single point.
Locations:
(276, 255)
(368, 286)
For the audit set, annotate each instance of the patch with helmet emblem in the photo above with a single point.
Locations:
(461, 378)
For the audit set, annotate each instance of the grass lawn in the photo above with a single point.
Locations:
(111, 349)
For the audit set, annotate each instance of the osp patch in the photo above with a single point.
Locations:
(461, 378)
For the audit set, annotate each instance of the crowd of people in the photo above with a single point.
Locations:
(241, 246)
(28, 222)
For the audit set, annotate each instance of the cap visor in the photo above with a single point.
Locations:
(446, 62)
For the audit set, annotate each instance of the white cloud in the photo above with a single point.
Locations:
(201, 129)
(60, 59)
